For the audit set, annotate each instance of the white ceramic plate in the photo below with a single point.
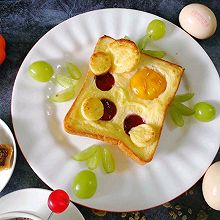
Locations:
(6, 137)
(183, 154)
(16, 215)
(34, 201)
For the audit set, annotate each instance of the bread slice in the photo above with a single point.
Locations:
(141, 141)
(6, 152)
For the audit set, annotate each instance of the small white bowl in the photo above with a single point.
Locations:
(6, 137)
(12, 215)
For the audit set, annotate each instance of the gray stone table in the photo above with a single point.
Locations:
(24, 22)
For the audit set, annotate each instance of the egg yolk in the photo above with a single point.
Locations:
(148, 84)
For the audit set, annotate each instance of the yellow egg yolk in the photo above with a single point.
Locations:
(148, 84)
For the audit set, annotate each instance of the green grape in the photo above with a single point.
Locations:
(176, 116)
(183, 97)
(41, 71)
(86, 154)
(93, 161)
(73, 70)
(154, 53)
(65, 81)
(204, 111)
(84, 184)
(184, 110)
(107, 161)
(63, 95)
(142, 43)
(156, 29)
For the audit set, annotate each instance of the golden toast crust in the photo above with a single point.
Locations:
(68, 121)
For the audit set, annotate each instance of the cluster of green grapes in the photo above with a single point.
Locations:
(156, 29)
(85, 183)
(202, 111)
(67, 77)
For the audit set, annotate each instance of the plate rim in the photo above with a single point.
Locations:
(84, 14)
(28, 190)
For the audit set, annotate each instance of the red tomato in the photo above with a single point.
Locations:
(2, 42)
(58, 201)
(2, 55)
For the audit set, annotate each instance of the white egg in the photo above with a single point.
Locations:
(211, 186)
(198, 20)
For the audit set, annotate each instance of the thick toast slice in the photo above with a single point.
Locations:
(139, 142)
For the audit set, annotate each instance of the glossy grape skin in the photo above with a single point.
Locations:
(184, 110)
(84, 184)
(154, 53)
(176, 116)
(86, 154)
(64, 81)
(63, 95)
(107, 161)
(156, 29)
(41, 71)
(183, 97)
(142, 43)
(58, 201)
(204, 111)
(93, 161)
(73, 70)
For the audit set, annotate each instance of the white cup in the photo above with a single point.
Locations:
(13, 215)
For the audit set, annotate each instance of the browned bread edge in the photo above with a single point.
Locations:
(113, 141)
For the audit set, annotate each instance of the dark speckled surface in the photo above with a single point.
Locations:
(24, 22)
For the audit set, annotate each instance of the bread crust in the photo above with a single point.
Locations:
(122, 146)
